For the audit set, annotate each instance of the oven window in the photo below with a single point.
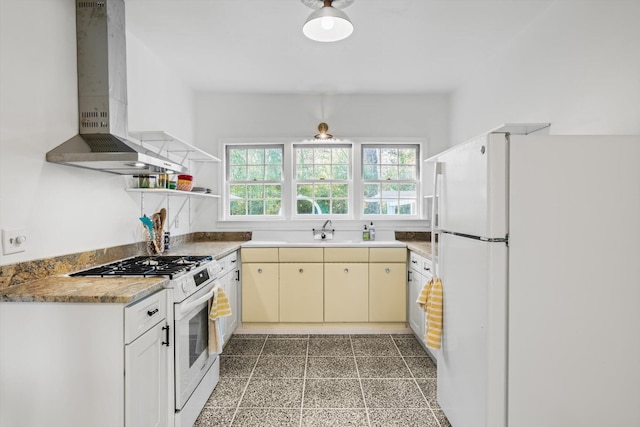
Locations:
(198, 335)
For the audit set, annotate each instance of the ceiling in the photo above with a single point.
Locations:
(398, 46)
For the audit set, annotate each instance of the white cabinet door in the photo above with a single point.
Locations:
(146, 379)
(416, 314)
(232, 323)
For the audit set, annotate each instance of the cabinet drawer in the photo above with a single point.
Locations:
(301, 255)
(141, 316)
(416, 262)
(228, 263)
(387, 255)
(259, 254)
(346, 255)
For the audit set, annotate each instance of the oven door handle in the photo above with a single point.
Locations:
(186, 308)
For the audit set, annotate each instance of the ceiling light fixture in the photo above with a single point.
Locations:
(323, 132)
(328, 23)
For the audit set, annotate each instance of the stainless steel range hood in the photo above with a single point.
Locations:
(102, 99)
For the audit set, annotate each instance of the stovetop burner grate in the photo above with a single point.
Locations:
(144, 266)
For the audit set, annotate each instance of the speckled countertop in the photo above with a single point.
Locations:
(123, 290)
(422, 248)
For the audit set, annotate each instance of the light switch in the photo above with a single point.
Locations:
(14, 241)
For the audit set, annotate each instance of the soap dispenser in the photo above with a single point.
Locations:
(372, 232)
(365, 233)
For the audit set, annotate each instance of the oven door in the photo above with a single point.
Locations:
(192, 343)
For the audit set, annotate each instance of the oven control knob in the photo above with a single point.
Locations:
(185, 286)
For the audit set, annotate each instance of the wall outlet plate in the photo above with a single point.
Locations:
(14, 241)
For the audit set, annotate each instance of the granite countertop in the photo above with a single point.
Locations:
(422, 248)
(123, 290)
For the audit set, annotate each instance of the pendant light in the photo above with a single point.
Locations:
(323, 132)
(327, 24)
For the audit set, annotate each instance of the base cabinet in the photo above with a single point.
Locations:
(346, 292)
(230, 283)
(301, 297)
(387, 292)
(260, 300)
(146, 379)
(85, 364)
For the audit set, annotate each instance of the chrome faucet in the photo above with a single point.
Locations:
(325, 233)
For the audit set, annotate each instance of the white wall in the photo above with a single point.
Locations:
(577, 66)
(65, 209)
(224, 117)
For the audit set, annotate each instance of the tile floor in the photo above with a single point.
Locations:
(324, 380)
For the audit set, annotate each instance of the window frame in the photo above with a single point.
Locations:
(228, 182)
(417, 182)
(295, 181)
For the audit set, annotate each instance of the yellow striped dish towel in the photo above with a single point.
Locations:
(431, 301)
(218, 307)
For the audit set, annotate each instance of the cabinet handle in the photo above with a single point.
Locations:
(414, 261)
(301, 271)
(166, 328)
(346, 270)
(233, 261)
(152, 312)
(259, 270)
(426, 269)
(237, 275)
(387, 270)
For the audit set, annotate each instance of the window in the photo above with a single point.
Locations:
(390, 179)
(322, 179)
(254, 180)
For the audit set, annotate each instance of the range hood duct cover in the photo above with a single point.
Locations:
(102, 98)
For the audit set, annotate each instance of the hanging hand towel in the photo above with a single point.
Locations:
(218, 307)
(431, 301)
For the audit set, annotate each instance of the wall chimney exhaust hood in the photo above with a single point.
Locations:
(102, 99)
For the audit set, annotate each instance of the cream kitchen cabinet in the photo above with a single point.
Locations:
(85, 364)
(387, 285)
(260, 285)
(301, 284)
(346, 285)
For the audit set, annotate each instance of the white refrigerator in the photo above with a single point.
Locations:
(539, 256)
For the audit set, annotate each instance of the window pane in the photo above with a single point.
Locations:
(255, 192)
(304, 155)
(340, 190)
(389, 207)
(273, 207)
(389, 172)
(370, 156)
(237, 207)
(407, 156)
(407, 172)
(407, 207)
(341, 156)
(273, 156)
(341, 172)
(305, 190)
(370, 172)
(324, 206)
(372, 190)
(389, 190)
(255, 173)
(237, 191)
(389, 156)
(323, 172)
(255, 156)
(323, 190)
(323, 156)
(274, 173)
(340, 207)
(304, 206)
(238, 173)
(238, 156)
(272, 191)
(256, 207)
(372, 207)
(304, 172)
(408, 191)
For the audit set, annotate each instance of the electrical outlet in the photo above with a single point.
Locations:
(14, 241)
